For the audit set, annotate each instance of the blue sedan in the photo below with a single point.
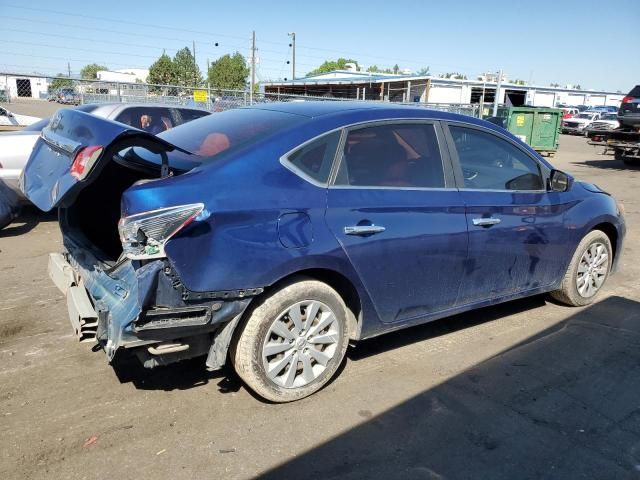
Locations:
(272, 236)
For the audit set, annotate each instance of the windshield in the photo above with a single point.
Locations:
(588, 116)
(213, 134)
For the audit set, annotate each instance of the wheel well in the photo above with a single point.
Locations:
(345, 289)
(611, 232)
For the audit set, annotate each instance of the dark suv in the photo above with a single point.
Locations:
(629, 113)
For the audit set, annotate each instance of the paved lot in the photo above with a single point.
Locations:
(528, 389)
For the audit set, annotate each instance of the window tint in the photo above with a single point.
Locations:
(150, 119)
(315, 158)
(235, 128)
(489, 162)
(392, 155)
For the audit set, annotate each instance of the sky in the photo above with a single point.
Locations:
(590, 43)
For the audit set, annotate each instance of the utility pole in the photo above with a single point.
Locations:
(496, 100)
(195, 64)
(293, 60)
(68, 70)
(253, 66)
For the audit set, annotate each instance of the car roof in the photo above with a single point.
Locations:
(315, 109)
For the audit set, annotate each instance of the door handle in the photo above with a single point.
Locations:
(485, 222)
(363, 230)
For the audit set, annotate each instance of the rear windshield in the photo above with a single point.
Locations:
(635, 91)
(40, 124)
(222, 131)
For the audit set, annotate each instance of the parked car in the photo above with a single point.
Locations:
(8, 118)
(15, 147)
(69, 97)
(276, 234)
(629, 113)
(579, 123)
(604, 109)
(568, 112)
(608, 121)
(582, 108)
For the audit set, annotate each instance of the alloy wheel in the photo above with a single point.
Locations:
(592, 269)
(300, 344)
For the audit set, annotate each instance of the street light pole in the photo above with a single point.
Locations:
(293, 60)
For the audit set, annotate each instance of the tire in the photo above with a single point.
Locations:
(587, 254)
(268, 372)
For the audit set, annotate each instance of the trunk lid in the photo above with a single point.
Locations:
(51, 179)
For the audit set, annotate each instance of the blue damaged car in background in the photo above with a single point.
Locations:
(273, 236)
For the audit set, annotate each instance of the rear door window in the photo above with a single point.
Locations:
(392, 155)
(150, 119)
(184, 115)
(489, 162)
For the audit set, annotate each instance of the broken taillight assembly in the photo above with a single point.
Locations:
(84, 160)
(144, 235)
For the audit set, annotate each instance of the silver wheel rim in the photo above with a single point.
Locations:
(592, 269)
(300, 344)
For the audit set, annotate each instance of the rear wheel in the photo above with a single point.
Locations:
(587, 272)
(292, 342)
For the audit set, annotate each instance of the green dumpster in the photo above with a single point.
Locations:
(538, 127)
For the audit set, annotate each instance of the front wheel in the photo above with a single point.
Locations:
(587, 272)
(292, 342)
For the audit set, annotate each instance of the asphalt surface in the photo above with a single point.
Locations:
(528, 389)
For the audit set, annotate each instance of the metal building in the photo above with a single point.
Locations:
(433, 90)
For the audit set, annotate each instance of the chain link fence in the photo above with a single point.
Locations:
(56, 91)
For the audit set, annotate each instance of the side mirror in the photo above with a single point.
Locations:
(559, 181)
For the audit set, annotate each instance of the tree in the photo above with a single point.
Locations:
(519, 82)
(396, 68)
(376, 69)
(187, 71)
(229, 72)
(577, 87)
(423, 72)
(90, 71)
(454, 75)
(331, 65)
(555, 85)
(163, 71)
(60, 82)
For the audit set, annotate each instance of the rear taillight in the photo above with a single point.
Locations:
(85, 159)
(628, 98)
(144, 235)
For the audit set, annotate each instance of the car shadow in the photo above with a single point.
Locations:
(193, 374)
(561, 404)
(29, 218)
(607, 163)
(179, 376)
(444, 326)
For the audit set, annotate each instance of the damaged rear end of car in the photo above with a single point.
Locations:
(112, 185)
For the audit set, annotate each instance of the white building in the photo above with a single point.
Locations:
(125, 75)
(24, 86)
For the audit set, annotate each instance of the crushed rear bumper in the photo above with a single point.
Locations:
(133, 305)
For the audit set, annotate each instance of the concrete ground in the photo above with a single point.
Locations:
(528, 389)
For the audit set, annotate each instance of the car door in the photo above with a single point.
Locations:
(395, 211)
(516, 230)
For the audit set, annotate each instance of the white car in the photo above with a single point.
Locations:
(8, 118)
(580, 122)
(16, 147)
(608, 121)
